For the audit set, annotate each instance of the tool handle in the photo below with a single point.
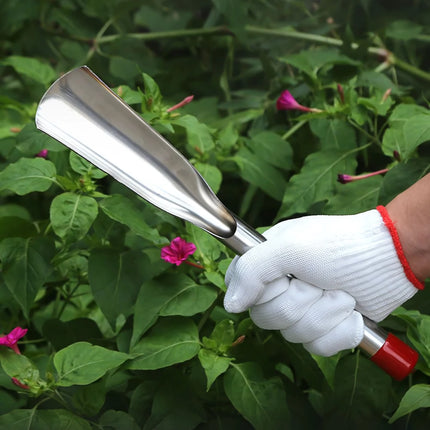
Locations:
(386, 350)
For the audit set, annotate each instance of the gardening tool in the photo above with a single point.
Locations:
(81, 112)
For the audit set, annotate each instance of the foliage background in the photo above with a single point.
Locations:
(119, 339)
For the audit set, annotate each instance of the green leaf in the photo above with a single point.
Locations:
(208, 248)
(118, 420)
(313, 60)
(334, 134)
(35, 419)
(328, 366)
(82, 363)
(403, 29)
(401, 177)
(222, 336)
(316, 181)
(170, 294)
(31, 67)
(152, 96)
(171, 341)
(418, 396)
(260, 173)
(211, 174)
(26, 267)
(11, 226)
(213, 364)
(115, 278)
(354, 197)
(18, 366)
(199, 138)
(28, 175)
(123, 210)
(72, 215)
(83, 167)
(260, 400)
(273, 149)
(363, 390)
(409, 127)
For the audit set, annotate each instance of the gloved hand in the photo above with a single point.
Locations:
(340, 262)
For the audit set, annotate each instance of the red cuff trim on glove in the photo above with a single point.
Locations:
(397, 244)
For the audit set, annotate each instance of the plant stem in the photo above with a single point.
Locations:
(293, 129)
(167, 34)
(190, 263)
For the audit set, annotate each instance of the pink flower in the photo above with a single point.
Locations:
(11, 339)
(42, 154)
(287, 102)
(20, 384)
(184, 102)
(178, 251)
(344, 179)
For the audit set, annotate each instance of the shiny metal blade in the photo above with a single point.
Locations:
(80, 111)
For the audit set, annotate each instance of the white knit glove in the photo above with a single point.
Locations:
(340, 262)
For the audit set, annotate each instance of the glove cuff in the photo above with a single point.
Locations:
(398, 246)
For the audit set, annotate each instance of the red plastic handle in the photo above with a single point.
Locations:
(395, 357)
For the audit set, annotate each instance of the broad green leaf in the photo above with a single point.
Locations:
(89, 399)
(43, 419)
(26, 267)
(211, 174)
(418, 396)
(328, 366)
(354, 197)
(170, 294)
(72, 215)
(334, 134)
(63, 333)
(115, 278)
(409, 126)
(32, 68)
(30, 141)
(258, 172)
(213, 364)
(11, 226)
(82, 363)
(362, 388)
(403, 29)
(208, 248)
(18, 366)
(316, 181)
(199, 138)
(273, 149)
(28, 175)
(171, 341)
(260, 400)
(313, 60)
(118, 420)
(401, 177)
(123, 210)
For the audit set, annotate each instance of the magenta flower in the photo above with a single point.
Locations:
(178, 251)
(42, 154)
(287, 102)
(11, 339)
(344, 179)
(20, 384)
(184, 102)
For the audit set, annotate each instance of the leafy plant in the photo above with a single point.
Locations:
(119, 338)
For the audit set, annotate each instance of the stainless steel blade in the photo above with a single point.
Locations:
(80, 111)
